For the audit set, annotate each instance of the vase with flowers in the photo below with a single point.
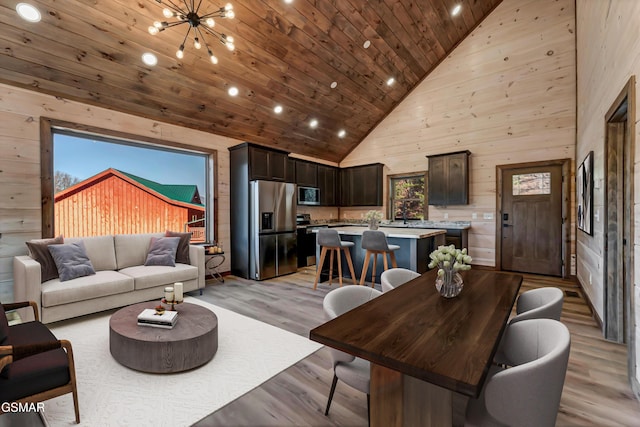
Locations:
(373, 219)
(450, 261)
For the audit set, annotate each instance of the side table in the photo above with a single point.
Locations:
(211, 264)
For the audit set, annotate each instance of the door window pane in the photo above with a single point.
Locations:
(530, 184)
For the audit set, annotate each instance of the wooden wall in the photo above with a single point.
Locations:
(113, 205)
(506, 93)
(608, 48)
(20, 205)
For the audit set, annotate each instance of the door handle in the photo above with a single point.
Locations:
(506, 225)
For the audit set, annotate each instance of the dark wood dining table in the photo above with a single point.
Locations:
(424, 347)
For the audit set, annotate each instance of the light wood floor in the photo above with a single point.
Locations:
(596, 390)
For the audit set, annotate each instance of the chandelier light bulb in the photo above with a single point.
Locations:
(213, 58)
(230, 14)
(153, 30)
(180, 52)
(229, 38)
(228, 6)
(231, 47)
(157, 24)
(210, 22)
(168, 13)
(196, 43)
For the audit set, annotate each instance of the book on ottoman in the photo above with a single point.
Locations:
(149, 317)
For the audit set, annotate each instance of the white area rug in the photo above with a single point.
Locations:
(249, 353)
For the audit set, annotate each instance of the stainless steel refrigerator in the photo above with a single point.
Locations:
(272, 229)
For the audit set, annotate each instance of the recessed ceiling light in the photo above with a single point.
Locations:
(288, 1)
(233, 91)
(456, 10)
(150, 59)
(342, 133)
(28, 12)
(334, 85)
(366, 44)
(277, 109)
(391, 81)
(313, 123)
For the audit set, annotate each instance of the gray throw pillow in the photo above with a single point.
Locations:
(38, 251)
(182, 254)
(72, 260)
(162, 251)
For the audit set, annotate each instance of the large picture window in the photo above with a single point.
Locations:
(408, 197)
(102, 184)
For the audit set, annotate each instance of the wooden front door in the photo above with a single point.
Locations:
(531, 221)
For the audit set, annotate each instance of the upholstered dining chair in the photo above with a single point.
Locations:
(541, 303)
(528, 393)
(349, 369)
(394, 277)
(34, 365)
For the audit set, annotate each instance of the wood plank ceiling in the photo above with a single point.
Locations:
(286, 54)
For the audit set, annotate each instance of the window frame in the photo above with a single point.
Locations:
(49, 126)
(391, 193)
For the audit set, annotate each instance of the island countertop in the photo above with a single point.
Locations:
(391, 232)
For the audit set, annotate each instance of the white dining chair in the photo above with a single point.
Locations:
(528, 393)
(394, 277)
(349, 369)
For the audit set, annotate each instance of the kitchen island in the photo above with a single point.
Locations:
(415, 246)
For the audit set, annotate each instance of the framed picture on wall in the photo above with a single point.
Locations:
(584, 194)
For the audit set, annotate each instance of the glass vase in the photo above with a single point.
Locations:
(450, 284)
(373, 224)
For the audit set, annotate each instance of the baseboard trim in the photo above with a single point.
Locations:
(594, 313)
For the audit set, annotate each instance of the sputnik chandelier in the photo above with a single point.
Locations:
(199, 25)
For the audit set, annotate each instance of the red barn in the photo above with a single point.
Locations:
(116, 202)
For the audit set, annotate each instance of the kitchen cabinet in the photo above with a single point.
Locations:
(291, 170)
(328, 185)
(267, 164)
(306, 173)
(448, 181)
(361, 185)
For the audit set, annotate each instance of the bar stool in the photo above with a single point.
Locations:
(329, 240)
(375, 243)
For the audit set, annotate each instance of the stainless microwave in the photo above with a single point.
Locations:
(308, 196)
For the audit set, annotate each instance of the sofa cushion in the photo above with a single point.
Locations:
(38, 250)
(156, 275)
(71, 260)
(36, 373)
(182, 254)
(162, 251)
(132, 249)
(100, 250)
(103, 283)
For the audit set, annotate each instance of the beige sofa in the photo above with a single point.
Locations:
(121, 278)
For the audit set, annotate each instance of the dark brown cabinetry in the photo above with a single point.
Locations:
(306, 173)
(266, 164)
(328, 185)
(449, 179)
(361, 185)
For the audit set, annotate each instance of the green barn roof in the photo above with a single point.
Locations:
(181, 193)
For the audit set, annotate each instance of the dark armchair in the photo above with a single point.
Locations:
(34, 365)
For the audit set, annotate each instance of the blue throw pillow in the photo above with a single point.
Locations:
(162, 251)
(71, 260)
